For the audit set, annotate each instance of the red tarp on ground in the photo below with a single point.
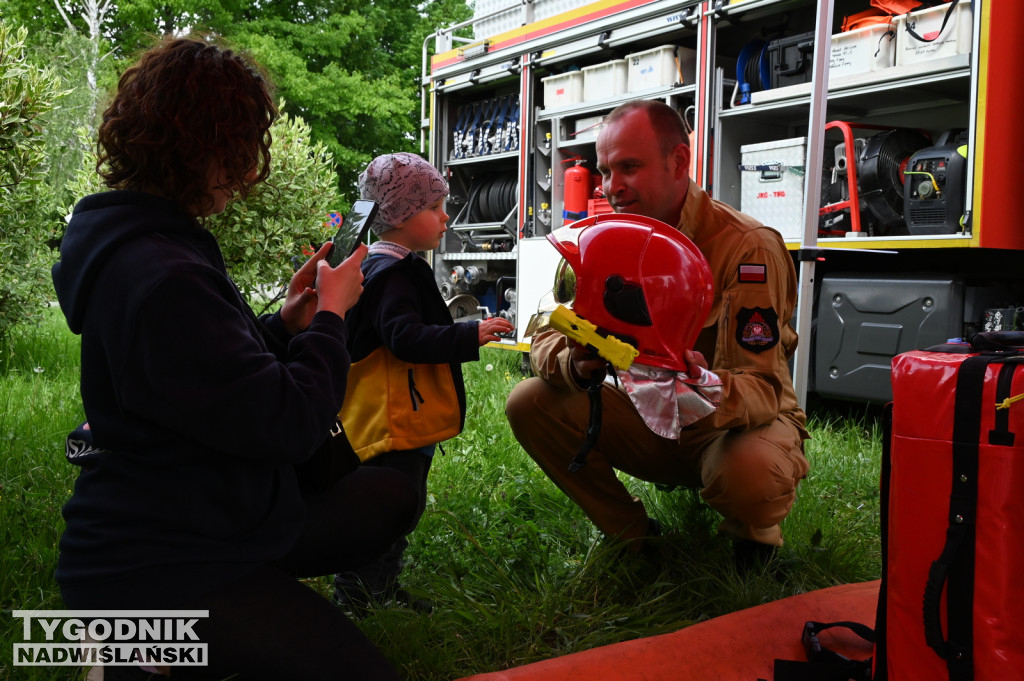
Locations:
(740, 646)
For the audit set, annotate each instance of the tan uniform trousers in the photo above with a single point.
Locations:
(749, 477)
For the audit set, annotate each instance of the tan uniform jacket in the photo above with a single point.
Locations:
(748, 337)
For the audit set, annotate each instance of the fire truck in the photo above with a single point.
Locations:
(878, 145)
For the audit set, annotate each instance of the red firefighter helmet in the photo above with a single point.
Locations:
(638, 279)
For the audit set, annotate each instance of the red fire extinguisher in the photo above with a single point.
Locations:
(578, 188)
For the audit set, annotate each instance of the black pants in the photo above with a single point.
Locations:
(381, 574)
(269, 625)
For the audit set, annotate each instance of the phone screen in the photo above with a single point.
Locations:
(353, 231)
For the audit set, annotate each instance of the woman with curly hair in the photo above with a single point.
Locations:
(199, 411)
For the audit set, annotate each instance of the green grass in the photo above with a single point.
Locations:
(515, 571)
(39, 404)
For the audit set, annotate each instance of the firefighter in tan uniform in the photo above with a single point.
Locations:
(747, 456)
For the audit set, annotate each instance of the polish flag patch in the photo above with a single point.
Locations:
(753, 274)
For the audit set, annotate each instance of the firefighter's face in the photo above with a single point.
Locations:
(637, 176)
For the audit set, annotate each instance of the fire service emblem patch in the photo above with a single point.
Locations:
(757, 329)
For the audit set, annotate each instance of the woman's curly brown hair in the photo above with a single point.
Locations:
(185, 105)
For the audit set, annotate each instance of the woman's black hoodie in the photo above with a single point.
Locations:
(197, 410)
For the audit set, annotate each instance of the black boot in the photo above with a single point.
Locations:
(750, 556)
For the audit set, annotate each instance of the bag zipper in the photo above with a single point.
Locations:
(414, 394)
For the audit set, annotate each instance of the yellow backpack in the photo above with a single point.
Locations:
(392, 405)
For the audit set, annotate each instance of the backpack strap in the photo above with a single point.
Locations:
(956, 562)
(881, 612)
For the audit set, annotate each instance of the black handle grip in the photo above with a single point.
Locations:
(933, 634)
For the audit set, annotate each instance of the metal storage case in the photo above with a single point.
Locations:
(772, 183)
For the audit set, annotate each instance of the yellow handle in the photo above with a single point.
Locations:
(619, 353)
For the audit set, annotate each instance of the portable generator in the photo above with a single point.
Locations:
(935, 185)
(880, 175)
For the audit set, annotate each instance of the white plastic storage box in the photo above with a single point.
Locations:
(602, 81)
(955, 38)
(772, 184)
(872, 48)
(587, 128)
(491, 17)
(660, 67)
(563, 89)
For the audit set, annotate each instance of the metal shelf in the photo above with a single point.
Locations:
(505, 255)
(472, 160)
(905, 88)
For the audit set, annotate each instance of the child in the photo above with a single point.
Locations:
(402, 309)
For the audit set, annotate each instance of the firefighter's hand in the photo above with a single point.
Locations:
(490, 328)
(694, 363)
(587, 366)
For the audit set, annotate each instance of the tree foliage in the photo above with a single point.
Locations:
(27, 93)
(347, 72)
(355, 112)
(68, 133)
(349, 68)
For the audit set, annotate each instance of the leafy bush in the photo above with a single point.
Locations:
(264, 237)
(26, 200)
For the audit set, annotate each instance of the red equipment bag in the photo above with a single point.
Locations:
(953, 515)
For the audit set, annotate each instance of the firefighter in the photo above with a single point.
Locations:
(745, 456)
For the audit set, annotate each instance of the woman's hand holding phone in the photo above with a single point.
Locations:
(300, 303)
(317, 286)
(338, 288)
(331, 280)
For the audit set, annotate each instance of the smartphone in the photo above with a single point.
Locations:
(353, 231)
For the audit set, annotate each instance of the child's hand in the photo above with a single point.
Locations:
(490, 328)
